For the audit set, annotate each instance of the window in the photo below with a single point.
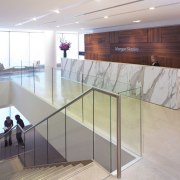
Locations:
(36, 48)
(4, 49)
(19, 49)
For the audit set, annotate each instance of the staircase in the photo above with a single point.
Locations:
(88, 170)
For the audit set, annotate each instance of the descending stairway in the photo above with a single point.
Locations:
(89, 170)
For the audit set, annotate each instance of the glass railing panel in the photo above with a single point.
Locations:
(75, 110)
(20, 142)
(29, 151)
(102, 127)
(27, 79)
(87, 111)
(44, 84)
(58, 98)
(76, 77)
(41, 144)
(9, 145)
(73, 76)
(105, 83)
(4, 75)
(79, 138)
(131, 120)
(57, 138)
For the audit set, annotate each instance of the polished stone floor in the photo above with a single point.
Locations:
(161, 131)
(161, 147)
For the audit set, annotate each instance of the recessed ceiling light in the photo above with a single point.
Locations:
(19, 24)
(151, 8)
(34, 19)
(106, 17)
(57, 26)
(77, 22)
(137, 21)
(56, 11)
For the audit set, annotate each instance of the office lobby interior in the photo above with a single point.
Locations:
(80, 74)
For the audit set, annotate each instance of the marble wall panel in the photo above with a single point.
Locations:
(159, 85)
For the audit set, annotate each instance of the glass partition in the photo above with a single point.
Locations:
(79, 136)
(57, 137)
(41, 144)
(9, 144)
(29, 151)
(102, 126)
(87, 127)
(44, 83)
(131, 130)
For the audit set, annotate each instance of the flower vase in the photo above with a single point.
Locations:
(65, 53)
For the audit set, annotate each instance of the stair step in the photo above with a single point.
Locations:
(31, 172)
(74, 173)
(24, 172)
(65, 172)
(91, 171)
(35, 176)
(48, 171)
(59, 170)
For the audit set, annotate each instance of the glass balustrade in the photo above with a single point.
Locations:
(131, 125)
(87, 125)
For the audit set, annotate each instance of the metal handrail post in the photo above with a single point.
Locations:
(34, 149)
(52, 88)
(65, 125)
(47, 141)
(119, 137)
(93, 124)
(141, 133)
(82, 101)
(110, 130)
(24, 150)
(34, 78)
(21, 73)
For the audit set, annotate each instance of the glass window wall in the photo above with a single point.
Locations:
(19, 49)
(4, 49)
(36, 48)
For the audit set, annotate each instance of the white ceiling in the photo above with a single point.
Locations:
(18, 14)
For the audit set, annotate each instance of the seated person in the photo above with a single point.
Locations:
(154, 61)
(1, 66)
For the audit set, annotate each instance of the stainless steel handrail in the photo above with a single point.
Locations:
(71, 102)
(13, 128)
(76, 99)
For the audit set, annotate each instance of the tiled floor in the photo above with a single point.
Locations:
(161, 144)
(161, 152)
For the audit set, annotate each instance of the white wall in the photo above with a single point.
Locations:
(4, 93)
(33, 108)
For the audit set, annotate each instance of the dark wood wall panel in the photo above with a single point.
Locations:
(154, 35)
(164, 42)
(129, 36)
(171, 34)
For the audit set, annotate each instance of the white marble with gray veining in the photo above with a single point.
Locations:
(159, 85)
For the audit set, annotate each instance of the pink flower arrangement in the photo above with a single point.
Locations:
(64, 45)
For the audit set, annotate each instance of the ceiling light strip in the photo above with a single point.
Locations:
(112, 7)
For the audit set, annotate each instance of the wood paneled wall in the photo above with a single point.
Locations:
(164, 42)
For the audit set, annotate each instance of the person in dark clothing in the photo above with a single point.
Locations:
(19, 130)
(8, 124)
(154, 61)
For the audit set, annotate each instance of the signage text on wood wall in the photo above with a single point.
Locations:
(127, 49)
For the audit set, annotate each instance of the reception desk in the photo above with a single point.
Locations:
(159, 85)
